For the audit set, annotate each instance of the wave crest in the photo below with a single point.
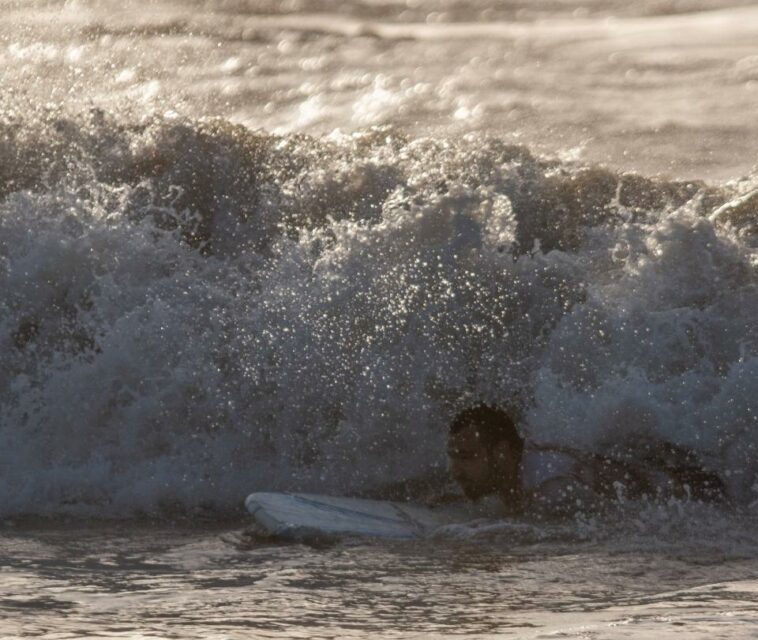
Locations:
(193, 310)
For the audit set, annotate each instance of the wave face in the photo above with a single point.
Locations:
(192, 310)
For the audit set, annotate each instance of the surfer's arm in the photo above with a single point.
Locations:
(444, 498)
(556, 483)
(429, 488)
(561, 496)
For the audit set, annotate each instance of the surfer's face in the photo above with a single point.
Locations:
(470, 463)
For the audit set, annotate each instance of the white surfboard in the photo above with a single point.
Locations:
(299, 516)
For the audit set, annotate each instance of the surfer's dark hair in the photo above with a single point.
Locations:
(493, 424)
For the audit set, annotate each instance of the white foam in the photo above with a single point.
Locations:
(142, 375)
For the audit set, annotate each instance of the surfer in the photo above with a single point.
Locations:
(488, 456)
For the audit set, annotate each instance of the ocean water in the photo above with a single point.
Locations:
(152, 581)
(277, 245)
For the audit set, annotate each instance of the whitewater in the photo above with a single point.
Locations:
(266, 246)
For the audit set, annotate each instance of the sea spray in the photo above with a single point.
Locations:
(192, 310)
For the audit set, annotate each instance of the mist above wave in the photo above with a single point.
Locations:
(193, 310)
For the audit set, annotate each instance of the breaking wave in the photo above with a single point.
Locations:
(192, 310)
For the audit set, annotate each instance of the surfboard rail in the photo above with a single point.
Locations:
(298, 516)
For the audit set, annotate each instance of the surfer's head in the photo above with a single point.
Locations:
(484, 448)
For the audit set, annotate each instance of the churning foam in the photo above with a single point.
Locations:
(192, 311)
